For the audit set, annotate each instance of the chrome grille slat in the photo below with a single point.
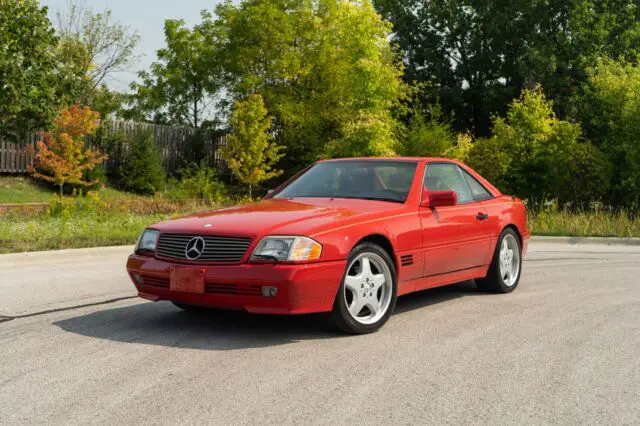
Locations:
(217, 249)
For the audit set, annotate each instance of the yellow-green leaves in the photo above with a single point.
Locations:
(251, 152)
(325, 69)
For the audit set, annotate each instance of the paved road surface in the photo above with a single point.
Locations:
(564, 348)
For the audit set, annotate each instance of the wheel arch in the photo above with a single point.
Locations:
(382, 241)
(516, 230)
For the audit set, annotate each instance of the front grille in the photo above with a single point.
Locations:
(252, 290)
(226, 289)
(155, 281)
(216, 249)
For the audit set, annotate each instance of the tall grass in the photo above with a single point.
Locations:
(597, 222)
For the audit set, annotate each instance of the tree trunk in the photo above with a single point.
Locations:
(250, 195)
(61, 185)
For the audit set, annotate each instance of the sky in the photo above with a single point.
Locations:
(145, 16)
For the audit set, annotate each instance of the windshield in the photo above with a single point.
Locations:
(366, 179)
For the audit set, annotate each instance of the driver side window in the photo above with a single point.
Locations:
(447, 177)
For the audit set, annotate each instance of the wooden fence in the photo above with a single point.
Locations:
(173, 143)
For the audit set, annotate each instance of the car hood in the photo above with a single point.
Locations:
(293, 216)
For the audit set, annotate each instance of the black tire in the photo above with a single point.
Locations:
(340, 316)
(494, 282)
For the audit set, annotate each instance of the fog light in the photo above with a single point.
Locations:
(138, 279)
(269, 291)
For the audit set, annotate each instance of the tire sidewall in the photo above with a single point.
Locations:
(340, 305)
(496, 257)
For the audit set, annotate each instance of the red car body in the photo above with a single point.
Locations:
(431, 246)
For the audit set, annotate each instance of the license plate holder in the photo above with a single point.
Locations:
(187, 280)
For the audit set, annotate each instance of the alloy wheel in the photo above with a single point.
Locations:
(368, 288)
(509, 260)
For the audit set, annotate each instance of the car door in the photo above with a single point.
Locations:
(457, 237)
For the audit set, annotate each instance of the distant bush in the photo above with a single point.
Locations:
(140, 170)
(426, 135)
(79, 204)
(536, 156)
(610, 111)
(197, 182)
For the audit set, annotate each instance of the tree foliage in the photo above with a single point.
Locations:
(181, 84)
(27, 64)
(611, 112)
(62, 156)
(325, 69)
(477, 56)
(251, 153)
(535, 155)
(141, 170)
(93, 47)
(427, 134)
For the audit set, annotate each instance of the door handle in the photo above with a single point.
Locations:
(482, 216)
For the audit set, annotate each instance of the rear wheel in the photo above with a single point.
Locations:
(504, 272)
(368, 293)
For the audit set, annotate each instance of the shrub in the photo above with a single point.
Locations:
(461, 149)
(427, 136)
(141, 168)
(585, 179)
(91, 204)
(536, 156)
(492, 161)
(198, 182)
(610, 109)
(62, 156)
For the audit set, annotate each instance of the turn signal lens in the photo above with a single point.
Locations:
(305, 249)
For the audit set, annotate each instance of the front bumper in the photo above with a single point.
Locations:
(302, 288)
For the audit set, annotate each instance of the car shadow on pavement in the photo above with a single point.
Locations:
(165, 325)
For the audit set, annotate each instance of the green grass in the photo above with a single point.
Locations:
(43, 232)
(595, 223)
(23, 189)
(85, 223)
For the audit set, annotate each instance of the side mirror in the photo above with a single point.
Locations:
(269, 193)
(433, 199)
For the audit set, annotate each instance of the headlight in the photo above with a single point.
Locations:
(148, 240)
(287, 249)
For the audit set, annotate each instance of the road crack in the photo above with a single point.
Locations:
(4, 318)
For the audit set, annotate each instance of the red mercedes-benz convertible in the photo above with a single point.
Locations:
(346, 237)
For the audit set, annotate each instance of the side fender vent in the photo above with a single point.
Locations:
(406, 260)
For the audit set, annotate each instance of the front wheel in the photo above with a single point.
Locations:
(504, 272)
(368, 293)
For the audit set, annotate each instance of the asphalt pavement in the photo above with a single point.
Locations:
(564, 348)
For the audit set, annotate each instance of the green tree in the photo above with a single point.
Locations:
(610, 110)
(427, 135)
(141, 168)
(62, 156)
(325, 68)
(27, 64)
(478, 56)
(181, 84)
(93, 47)
(251, 153)
(536, 156)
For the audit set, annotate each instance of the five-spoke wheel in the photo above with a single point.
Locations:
(504, 272)
(367, 295)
